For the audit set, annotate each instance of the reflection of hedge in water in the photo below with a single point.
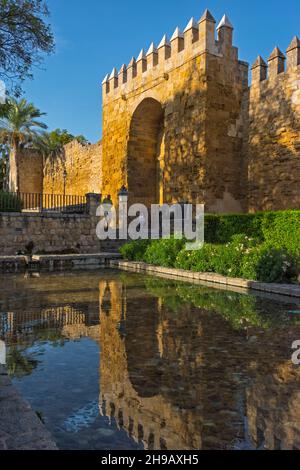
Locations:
(240, 310)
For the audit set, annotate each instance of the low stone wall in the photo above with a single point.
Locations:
(212, 278)
(50, 233)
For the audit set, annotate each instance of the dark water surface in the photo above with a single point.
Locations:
(112, 360)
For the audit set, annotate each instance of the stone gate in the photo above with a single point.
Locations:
(163, 120)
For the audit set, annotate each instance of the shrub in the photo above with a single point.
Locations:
(230, 256)
(282, 230)
(10, 202)
(163, 252)
(199, 260)
(222, 259)
(268, 264)
(266, 247)
(135, 250)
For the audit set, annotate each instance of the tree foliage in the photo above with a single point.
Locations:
(24, 38)
(19, 125)
(51, 144)
(19, 122)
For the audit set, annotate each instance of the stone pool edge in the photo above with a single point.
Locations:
(290, 290)
(20, 427)
(55, 262)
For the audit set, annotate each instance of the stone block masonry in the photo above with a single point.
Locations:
(180, 123)
(173, 121)
(83, 167)
(77, 171)
(30, 171)
(51, 233)
(273, 135)
(55, 233)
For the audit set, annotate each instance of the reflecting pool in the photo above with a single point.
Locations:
(114, 360)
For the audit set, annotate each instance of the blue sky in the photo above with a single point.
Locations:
(93, 36)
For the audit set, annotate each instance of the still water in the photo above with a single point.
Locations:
(112, 360)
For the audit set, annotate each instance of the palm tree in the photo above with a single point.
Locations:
(19, 126)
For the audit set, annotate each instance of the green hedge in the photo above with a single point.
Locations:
(262, 246)
(221, 228)
(281, 229)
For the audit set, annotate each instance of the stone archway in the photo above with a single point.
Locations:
(144, 153)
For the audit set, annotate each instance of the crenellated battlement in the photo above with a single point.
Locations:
(196, 38)
(278, 63)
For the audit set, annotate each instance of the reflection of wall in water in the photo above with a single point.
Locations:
(180, 379)
(153, 373)
(273, 409)
(132, 393)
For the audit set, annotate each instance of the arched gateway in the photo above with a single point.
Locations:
(144, 153)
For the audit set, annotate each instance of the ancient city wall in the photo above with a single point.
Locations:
(83, 167)
(172, 120)
(30, 171)
(77, 172)
(273, 137)
(180, 123)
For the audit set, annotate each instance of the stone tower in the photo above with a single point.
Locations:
(173, 120)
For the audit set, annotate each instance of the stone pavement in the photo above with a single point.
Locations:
(20, 428)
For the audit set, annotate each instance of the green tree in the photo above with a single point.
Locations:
(24, 38)
(19, 126)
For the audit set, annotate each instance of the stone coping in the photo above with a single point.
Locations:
(20, 427)
(48, 215)
(24, 258)
(212, 278)
(11, 258)
(76, 257)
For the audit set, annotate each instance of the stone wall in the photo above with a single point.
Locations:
(55, 233)
(172, 121)
(30, 171)
(83, 166)
(180, 123)
(49, 233)
(273, 137)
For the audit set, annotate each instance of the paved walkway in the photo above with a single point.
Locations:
(20, 428)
